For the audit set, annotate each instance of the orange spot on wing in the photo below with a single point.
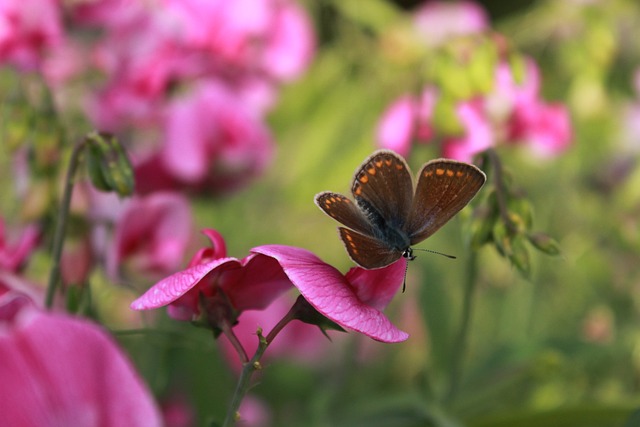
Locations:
(372, 171)
(449, 172)
(439, 172)
(459, 174)
(363, 179)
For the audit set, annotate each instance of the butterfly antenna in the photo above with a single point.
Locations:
(436, 252)
(404, 281)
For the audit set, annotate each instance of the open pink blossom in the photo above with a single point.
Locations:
(544, 128)
(59, 370)
(28, 28)
(16, 246)
(221, 282)
(354, 301)
(438, 21)
(151, 235)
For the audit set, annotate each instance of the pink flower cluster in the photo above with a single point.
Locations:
(189, 76)
(513, 112)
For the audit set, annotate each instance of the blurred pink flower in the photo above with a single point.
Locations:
(298, 341)
(151, 235)
(77, 260)
(354, 301)
(254, 413)
(224, 283)
(511, 113)
(28, 28)
(150, 49)
(438, 21)
(477, 135)
(214, 140)
(177, 411)
(407, 120)
(16, 246)
(544, 128)
(60, 370)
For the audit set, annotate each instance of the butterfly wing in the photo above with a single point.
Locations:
(344, 211)
(383, 189)
(444, 188)
(367, 251)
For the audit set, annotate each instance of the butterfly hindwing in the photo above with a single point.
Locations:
(344, 211)
(383, 188)
(444, 188)
(367, 251)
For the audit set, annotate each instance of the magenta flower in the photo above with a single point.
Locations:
(225, 286)
(28, 29)
(151, 236)
(60, 370)
(16, 246)
(438, 21)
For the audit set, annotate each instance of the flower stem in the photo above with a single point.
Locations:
(61, 222)
(242, 387)
(248, 368)
(461, 341)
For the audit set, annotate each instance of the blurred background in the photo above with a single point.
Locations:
(234, 117)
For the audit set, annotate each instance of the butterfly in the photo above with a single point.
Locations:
(387, 216)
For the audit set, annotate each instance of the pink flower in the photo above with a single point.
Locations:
(225, 283)
(354, 301)
(405, 121)
(544, 128)
(28, 29)
(60, 370)
(438, 21)
(214, 140)
(254, 413)
(477, 135)
(221, 285)
(151, 235)
(16, 248)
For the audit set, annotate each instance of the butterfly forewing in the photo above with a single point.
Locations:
(367, 251)
(384, 182)
(444, 188)
(344, 211)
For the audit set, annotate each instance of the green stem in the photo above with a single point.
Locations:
(461, 341)
(253, 365)
(242, 387)
(61, 222)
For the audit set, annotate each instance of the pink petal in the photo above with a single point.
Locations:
(395, 129)
(59, 370)
(329, 292)
(177, 285)
(377, 287)
(260, 281)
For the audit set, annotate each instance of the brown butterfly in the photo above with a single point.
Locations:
(388, 216)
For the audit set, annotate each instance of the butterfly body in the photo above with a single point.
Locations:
(389, 215)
